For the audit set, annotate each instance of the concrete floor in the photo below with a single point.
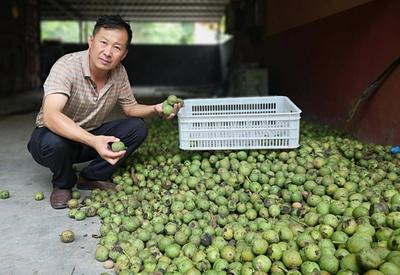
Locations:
(29, 229)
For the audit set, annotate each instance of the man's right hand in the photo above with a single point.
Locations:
(101, 145)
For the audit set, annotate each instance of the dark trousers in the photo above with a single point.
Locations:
(59, 154)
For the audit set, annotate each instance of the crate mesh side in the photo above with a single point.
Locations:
(233, 109)
(242, 125)
(239, 144)
(238, 134)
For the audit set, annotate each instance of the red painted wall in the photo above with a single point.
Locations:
(325, 65)
(282, 15)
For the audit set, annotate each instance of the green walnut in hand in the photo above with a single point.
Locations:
(168, 104)
(117, 146)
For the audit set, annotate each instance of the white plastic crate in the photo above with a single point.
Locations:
(271, 122)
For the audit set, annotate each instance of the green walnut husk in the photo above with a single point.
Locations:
(39, 196)
(329, 206)
(76, 194)
(67, 236)
(117, 146)
(168, 104)
(72, 203)
(4, 194)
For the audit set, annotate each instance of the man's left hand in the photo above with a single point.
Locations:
(159, 110)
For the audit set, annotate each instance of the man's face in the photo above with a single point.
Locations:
(107, 48)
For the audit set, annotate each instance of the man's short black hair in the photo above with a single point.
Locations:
(113, 22)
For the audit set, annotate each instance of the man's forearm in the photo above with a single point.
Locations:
(66, 127)
(141, 110)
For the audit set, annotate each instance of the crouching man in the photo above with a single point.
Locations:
(79, 92)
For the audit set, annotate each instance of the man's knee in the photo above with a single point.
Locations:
(137, 128)
(54, 145)
(143, 131)
(47, 148)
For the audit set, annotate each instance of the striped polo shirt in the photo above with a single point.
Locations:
(70, 75)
